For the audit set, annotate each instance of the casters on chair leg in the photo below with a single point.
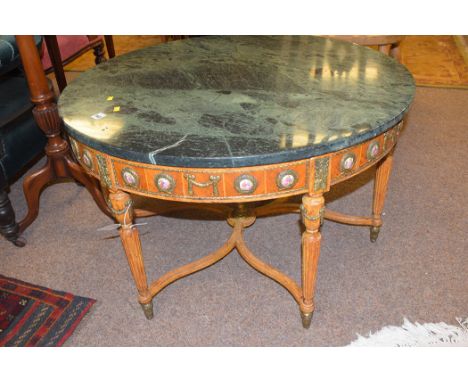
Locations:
(306, 319)
(148, 310)
(374, 234)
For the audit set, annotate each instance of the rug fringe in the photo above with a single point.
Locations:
(409, 334)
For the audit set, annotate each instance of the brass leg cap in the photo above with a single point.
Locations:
(306, 319)
(148, 310)
(374, 234)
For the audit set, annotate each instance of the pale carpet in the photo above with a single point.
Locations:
(417, 269)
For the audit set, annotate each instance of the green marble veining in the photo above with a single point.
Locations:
(236, 100)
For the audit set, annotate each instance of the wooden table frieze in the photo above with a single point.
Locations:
(196, 184)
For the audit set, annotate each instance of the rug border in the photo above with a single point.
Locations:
(55, 293)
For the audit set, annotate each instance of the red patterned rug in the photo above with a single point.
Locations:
(31, 315)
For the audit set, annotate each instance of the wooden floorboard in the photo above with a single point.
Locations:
(435, 61)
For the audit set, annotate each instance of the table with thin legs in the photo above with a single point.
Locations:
(238, 125)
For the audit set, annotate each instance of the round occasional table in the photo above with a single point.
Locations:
(232, 121)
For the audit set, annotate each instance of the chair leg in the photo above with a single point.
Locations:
(385, 49)
(110, 46)
(99, 53)
(56, 60)
(9, 228)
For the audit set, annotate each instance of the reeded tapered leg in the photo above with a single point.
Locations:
(122, 209)
(380, 189)
(312, 209)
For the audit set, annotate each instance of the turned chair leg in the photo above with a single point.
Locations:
(312, 209)
(9, 228)
(123, 211)
(380, 189)
(99, 55)
(98, 50)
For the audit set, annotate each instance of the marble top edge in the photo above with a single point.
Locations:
(231, 162)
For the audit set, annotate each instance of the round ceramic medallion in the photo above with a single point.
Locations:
(348, 161)
(130, 177)
(373, 150)
(286, 179)
(74, 147)
(164, 183)
(245, 184)
(86, 159)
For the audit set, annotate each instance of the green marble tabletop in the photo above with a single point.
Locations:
(232, 101)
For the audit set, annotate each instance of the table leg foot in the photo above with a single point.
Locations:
(148, 310)
(374, 234)
(306, 319)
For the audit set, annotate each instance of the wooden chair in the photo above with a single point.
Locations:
(389, 45)
(167, 38)
(61, 50)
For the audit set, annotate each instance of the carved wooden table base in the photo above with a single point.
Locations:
(217, 189)
(241, 217)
